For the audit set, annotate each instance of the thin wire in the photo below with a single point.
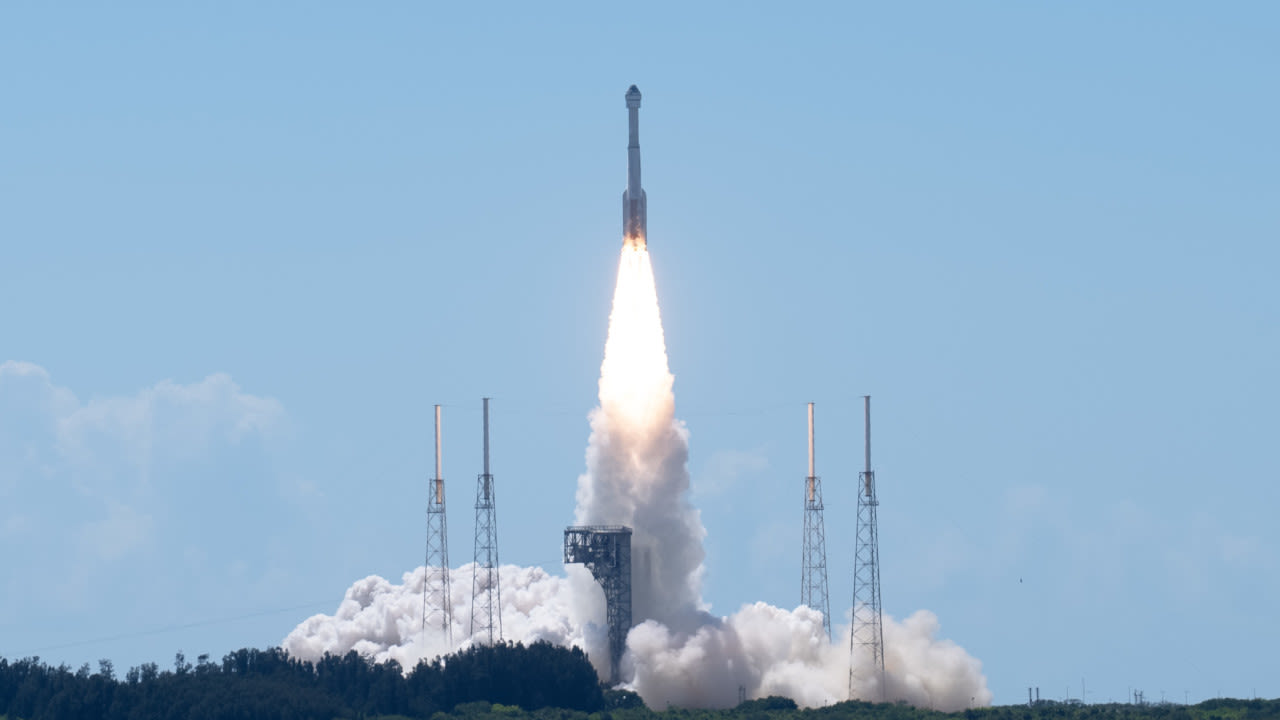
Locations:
(172, 628)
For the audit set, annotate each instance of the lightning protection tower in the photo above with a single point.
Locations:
(486, 591)
(813, 577)
(436, 608)
(606, 551)
(867, 636)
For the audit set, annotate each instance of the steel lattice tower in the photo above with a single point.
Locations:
(867, 635)
(813, 576)
(486, 592)
(437, 610)
(606, 551)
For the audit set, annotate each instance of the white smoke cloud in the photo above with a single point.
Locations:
(383, 621)
(762, 649)
(677, 653)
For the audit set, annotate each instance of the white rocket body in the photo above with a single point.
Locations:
(633, 198)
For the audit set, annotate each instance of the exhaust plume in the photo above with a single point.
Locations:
(637, 456)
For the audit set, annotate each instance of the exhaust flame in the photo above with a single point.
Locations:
(678, 653)
(637, 455)
(635, 384)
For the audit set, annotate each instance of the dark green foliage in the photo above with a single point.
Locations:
(268, 684)
(505, 682)
(541, 675)
(621, 700)
(773, 702)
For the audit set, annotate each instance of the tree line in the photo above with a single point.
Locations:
(269, 685)
(502, 682)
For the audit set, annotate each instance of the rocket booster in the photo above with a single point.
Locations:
(633, 199)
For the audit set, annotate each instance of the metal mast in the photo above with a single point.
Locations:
(437, 611)
(867, 635)
(486, 592)
(813, 576)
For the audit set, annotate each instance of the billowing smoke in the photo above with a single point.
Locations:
(383, 621)
(677, 653)
(637, 457)
(770, 651)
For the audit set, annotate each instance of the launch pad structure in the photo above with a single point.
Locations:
(867, 634)
(437, 609)
(813, 575)
(486, 590)
(606, 551)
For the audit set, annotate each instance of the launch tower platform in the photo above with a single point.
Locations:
(606, 551)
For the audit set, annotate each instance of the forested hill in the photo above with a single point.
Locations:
(506, 682)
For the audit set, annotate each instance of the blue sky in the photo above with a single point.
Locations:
(244, 248)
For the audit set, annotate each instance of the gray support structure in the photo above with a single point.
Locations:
(437, 610)
(486, 590)
(813, 576)
(867, 636)
(606, 551)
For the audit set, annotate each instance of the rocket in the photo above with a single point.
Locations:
(633, 200)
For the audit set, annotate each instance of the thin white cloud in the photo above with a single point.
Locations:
(725, 469)
(122, 530)
(107, 447)
(15, 525)
(168, 421)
